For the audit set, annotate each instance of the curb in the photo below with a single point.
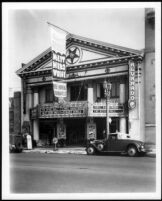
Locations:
(55, 152)
(149, 153)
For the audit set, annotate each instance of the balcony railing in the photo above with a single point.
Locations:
(76, 109)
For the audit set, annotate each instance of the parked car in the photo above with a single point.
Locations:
(15, 145)
(116, 142)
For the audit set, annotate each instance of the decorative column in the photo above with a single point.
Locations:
(90, 124)
(36, 97)
(36, 121)
(28, 102)
(90, 99)
(122, 122)
(107, 90)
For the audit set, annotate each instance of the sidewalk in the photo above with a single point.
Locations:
(62, 150)
(151, 151)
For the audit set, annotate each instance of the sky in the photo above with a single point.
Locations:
(28, 32)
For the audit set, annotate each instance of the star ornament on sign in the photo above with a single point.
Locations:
(73, 55)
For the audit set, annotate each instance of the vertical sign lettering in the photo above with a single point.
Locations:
(58, 44)
(132, 101)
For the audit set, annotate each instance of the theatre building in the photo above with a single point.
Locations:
(82, 114)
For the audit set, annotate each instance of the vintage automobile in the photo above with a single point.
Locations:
(116, 142)
(15, 145)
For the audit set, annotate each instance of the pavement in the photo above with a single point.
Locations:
(151, 150)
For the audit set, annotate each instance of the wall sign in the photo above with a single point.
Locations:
(60, 89)
(59, 69)
(132, 101)
(34, 113)
(91, 131)
(62, 111)
(61, 131)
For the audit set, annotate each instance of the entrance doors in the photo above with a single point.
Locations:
(75, 131)
(47, 132)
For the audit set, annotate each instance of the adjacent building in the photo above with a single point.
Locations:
(15, 113)
(150, 121)
(82, 114)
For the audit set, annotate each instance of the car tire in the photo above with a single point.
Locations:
(90, 150)
(132, 151)
(100, 147)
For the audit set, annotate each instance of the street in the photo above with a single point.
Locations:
(71, 173)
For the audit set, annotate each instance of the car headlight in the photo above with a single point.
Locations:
(142, 146)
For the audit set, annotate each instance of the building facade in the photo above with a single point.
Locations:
(15, 113)
(82, 114)
(150, 98)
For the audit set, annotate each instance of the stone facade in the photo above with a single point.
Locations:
(15, 113)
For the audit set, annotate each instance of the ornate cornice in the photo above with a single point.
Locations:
(111, 63)
(122, 55)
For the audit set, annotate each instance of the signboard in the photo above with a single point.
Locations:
(115, 109)
(34, 113)
(58, 44)
(55, 140)
(60, 89)
(132, 101)
(91, 131)
(58, 65)
(63, 111)
(61, 131)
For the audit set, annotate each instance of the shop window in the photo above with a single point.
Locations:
(78, 93)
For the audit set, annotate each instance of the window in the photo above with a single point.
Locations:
(115, 90)
(102, 93)
(49, 95)
(78, 93)
(113, 137)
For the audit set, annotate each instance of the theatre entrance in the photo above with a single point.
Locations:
(75, 132)
(47, 130)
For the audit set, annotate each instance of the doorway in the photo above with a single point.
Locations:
(75, 131)
(47, 131)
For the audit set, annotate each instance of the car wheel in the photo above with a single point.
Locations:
(132, 151)
(100, 147)
(90, 150)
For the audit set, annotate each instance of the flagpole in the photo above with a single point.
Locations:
(58, 27)
(139, 102)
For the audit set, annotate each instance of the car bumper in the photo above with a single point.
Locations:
(143, 150)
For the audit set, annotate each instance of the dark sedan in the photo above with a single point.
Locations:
(116, 142)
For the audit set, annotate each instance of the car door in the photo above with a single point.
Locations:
(112, 143)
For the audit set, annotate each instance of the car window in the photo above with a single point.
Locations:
(113, 137)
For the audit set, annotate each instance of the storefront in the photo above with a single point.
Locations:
(82, 114)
